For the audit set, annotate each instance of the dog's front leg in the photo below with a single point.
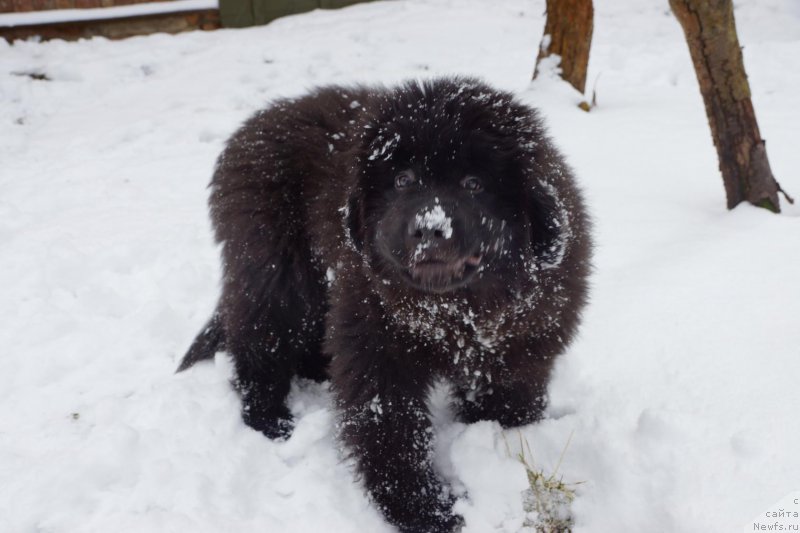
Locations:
(386, 427)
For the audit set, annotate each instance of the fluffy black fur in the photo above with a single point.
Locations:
(404, 235)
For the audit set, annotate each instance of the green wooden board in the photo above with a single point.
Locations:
(242, 13)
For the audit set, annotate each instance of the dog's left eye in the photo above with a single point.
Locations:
(404, 180)
(472, 184)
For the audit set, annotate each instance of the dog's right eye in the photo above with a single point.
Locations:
(404, 180)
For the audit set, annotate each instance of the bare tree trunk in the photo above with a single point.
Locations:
(714, 46)
(568, 34)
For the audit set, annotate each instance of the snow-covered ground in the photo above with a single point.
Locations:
(682, 395)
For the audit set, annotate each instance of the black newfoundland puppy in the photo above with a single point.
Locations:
(388, 238)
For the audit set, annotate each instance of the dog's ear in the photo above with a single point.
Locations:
(547, 226)
(547, 212)
(377, 145)
(353, 219)
(542, 166)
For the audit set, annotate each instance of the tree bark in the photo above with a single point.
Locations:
(710, 32)
(568, 34)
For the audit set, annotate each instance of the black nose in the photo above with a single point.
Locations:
(425, 234)
(431, 224)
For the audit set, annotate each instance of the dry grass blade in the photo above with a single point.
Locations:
(548, 498)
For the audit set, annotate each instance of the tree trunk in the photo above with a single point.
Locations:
(568, 34)
(714, 46)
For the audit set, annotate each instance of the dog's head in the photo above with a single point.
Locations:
(447, 195)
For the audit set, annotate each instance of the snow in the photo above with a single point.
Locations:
(385, 150)
(435, 218)
(681, 394)
(54, 16)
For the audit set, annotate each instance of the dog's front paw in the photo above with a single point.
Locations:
(275, 423)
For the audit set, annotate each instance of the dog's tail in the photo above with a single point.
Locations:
(208, 342)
